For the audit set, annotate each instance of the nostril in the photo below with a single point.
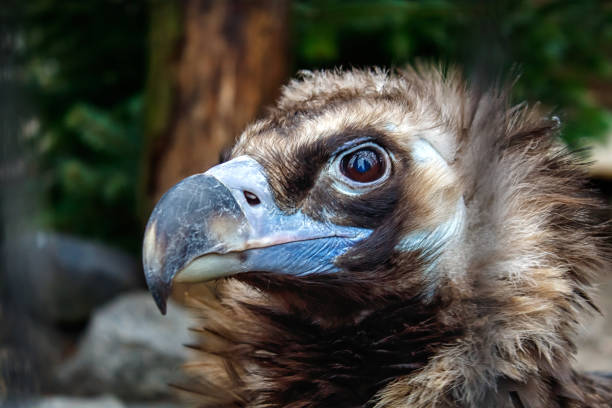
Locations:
(251, 198)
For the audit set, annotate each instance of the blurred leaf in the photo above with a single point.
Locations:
(320, 44)
(102, 130)
(589, 123)
(78, 178)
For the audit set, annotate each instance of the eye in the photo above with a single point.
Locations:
(360, 169)
(364, 165)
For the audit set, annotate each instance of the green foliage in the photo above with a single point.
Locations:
(85, 64)
(560, 48)
(92, 193)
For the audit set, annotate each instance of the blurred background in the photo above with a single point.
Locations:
(104, 104)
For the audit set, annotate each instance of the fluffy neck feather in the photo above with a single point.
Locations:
(272, 354)
(499, 330)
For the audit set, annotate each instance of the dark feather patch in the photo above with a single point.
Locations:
(307, 363)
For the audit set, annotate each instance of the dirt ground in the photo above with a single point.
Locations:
(595, 343)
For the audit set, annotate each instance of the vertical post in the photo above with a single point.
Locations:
(213, 65)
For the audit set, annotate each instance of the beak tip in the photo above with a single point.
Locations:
(160, 297)
(161, 305)
(160, 292)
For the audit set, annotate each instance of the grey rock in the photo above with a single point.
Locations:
(131, 350)
(28, 352)
(106, 401)
(67, 277)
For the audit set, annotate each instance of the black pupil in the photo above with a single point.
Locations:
(364, 166)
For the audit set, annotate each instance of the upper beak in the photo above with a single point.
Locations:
(225, 221)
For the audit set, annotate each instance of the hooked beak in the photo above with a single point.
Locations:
(224, 222)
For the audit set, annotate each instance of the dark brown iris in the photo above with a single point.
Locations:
(364, 165)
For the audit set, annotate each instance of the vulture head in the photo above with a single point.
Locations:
(387, 240)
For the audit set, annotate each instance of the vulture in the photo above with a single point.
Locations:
(389, 239)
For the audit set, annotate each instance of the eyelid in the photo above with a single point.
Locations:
(347, 146)
(360, 146)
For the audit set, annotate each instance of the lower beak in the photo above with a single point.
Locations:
(225, 221)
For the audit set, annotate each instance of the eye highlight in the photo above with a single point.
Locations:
(364, 165)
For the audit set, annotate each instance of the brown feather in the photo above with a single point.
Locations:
(505, 299)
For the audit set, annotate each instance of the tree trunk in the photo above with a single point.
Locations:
(213, 66)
